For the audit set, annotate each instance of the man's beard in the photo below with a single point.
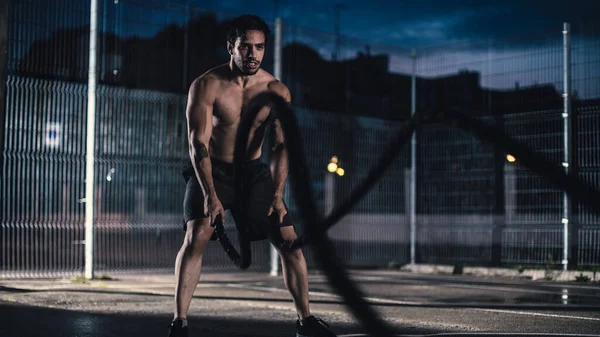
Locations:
(250, 71)
(242, 65)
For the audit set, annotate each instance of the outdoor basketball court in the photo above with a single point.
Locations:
(256, 304)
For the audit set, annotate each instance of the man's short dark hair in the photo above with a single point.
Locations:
(243, 23)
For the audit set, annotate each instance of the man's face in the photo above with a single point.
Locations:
(248, 51)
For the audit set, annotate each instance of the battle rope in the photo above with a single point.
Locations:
(316, 227)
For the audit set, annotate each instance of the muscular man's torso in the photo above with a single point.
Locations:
(230, 100)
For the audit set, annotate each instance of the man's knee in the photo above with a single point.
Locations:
(287, 233)
(290, 255)
(198, 234)
(285, 240)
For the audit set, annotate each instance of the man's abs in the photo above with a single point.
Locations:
(222, 144)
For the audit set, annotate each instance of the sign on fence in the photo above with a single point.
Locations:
(53, 134)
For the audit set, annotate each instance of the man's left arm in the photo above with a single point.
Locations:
(279, 159)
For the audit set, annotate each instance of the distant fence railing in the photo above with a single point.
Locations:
(141, 149)
(473, 204)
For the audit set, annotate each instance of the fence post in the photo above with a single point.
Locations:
(499, 213)
(568, 153)
(277, 74)
(3, 71)
(4, 18)
(90, 149)
(413, 164)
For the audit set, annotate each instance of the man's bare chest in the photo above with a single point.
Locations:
(230, 105)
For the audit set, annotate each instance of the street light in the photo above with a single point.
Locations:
(334, 166)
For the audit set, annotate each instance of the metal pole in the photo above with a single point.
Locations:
(91, 123)
(567, 136)
(329, 193)
(277, 74)
(277, 56)
(4, 17)
(103, 70)
(413, 165)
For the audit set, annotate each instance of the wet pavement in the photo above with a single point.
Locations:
(256, 304)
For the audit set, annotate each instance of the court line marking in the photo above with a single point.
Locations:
(540, 314)
(485, 287)
(445, 277)
(322, 294)
(482, 334)
(383, 300)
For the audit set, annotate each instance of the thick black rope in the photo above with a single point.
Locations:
(242, 260)
(316, 227)
(332, 266)
(573, 185)
(576, 187)
(389, 155)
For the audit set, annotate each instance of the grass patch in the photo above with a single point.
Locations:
(582, 278)
(79, 279)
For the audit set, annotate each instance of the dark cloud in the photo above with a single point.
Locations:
(524, 22)
(398, 22)
(433, 22)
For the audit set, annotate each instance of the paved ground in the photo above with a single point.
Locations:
(255, 304)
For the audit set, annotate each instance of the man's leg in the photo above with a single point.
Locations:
(189, 262)
(295, 274)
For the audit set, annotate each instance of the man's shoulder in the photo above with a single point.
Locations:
(212, 78)
(219, 72)
(279, 88)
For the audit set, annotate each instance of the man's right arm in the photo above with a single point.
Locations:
(199, 113)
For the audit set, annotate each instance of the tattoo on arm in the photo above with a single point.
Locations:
(203, 167)
(200, 149)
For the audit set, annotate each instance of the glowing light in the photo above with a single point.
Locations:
(332, 167)
(340, 171)
(510, 158)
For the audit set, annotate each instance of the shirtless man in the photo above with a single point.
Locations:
(215, 102)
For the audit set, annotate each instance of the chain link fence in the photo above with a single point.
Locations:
(350, 97)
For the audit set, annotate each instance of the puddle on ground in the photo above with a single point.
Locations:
(563, 298)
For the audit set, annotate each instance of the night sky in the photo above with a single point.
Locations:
(428, 22)
(506, 41)
(400, 23)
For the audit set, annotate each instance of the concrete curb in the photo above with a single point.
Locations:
(530, 274)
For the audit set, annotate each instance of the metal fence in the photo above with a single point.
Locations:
(141, 150)
(515, 84)
(348, 105)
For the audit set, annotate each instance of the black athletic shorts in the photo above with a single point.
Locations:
(251, 217)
